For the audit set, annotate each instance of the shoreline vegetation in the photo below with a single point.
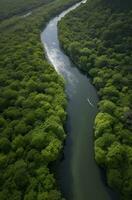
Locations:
(97, 37)
(14, 8)
(32, 108)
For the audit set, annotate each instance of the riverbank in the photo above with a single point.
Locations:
(79, 176)
(32, 108)
(97, 38)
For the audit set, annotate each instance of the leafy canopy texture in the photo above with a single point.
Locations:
(98, 38)
(32, 109)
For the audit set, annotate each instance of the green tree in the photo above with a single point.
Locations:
(103, 124)
(5, 145)
(52, 151)
(107, 106)
(115, 178)
(116, 156)
(21, 176)
(102, 61)
(100, 155)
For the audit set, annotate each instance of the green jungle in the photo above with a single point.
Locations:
(32, 108)
(98, 39)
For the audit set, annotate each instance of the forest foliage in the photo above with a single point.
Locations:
(13, 7)
(98, 38)
(32, 109)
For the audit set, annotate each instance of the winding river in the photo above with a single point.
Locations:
(79, 176)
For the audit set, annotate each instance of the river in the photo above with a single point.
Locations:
(79, 176)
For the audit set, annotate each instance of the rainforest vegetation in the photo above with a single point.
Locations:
(32, 108)
(11, 7)
(98, 38)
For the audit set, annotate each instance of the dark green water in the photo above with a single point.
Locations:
(79, 176)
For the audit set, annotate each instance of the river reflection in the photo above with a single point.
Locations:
(79, 176)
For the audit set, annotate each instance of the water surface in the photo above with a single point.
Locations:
(79, 176)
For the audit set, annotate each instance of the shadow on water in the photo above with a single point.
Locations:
(78, 175)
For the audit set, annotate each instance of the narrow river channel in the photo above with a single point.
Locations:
(79, 176)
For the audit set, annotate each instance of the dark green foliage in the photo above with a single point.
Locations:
(98, 38)
(11, 7)
(32, 108)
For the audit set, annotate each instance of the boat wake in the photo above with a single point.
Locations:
(90, 102)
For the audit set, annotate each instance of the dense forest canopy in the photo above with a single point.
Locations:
(98, 38)
(32, 109)
(120, 4)
(11, 7)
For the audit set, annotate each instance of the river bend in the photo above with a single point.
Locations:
(79, 176)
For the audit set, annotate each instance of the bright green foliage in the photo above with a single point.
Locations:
(100, 156)
(105, 141)
(115, 156)
(103, 124)
(98, 38)
(51, 152)
(32, 104)
(107, 106)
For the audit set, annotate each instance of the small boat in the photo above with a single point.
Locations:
(90, 102)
